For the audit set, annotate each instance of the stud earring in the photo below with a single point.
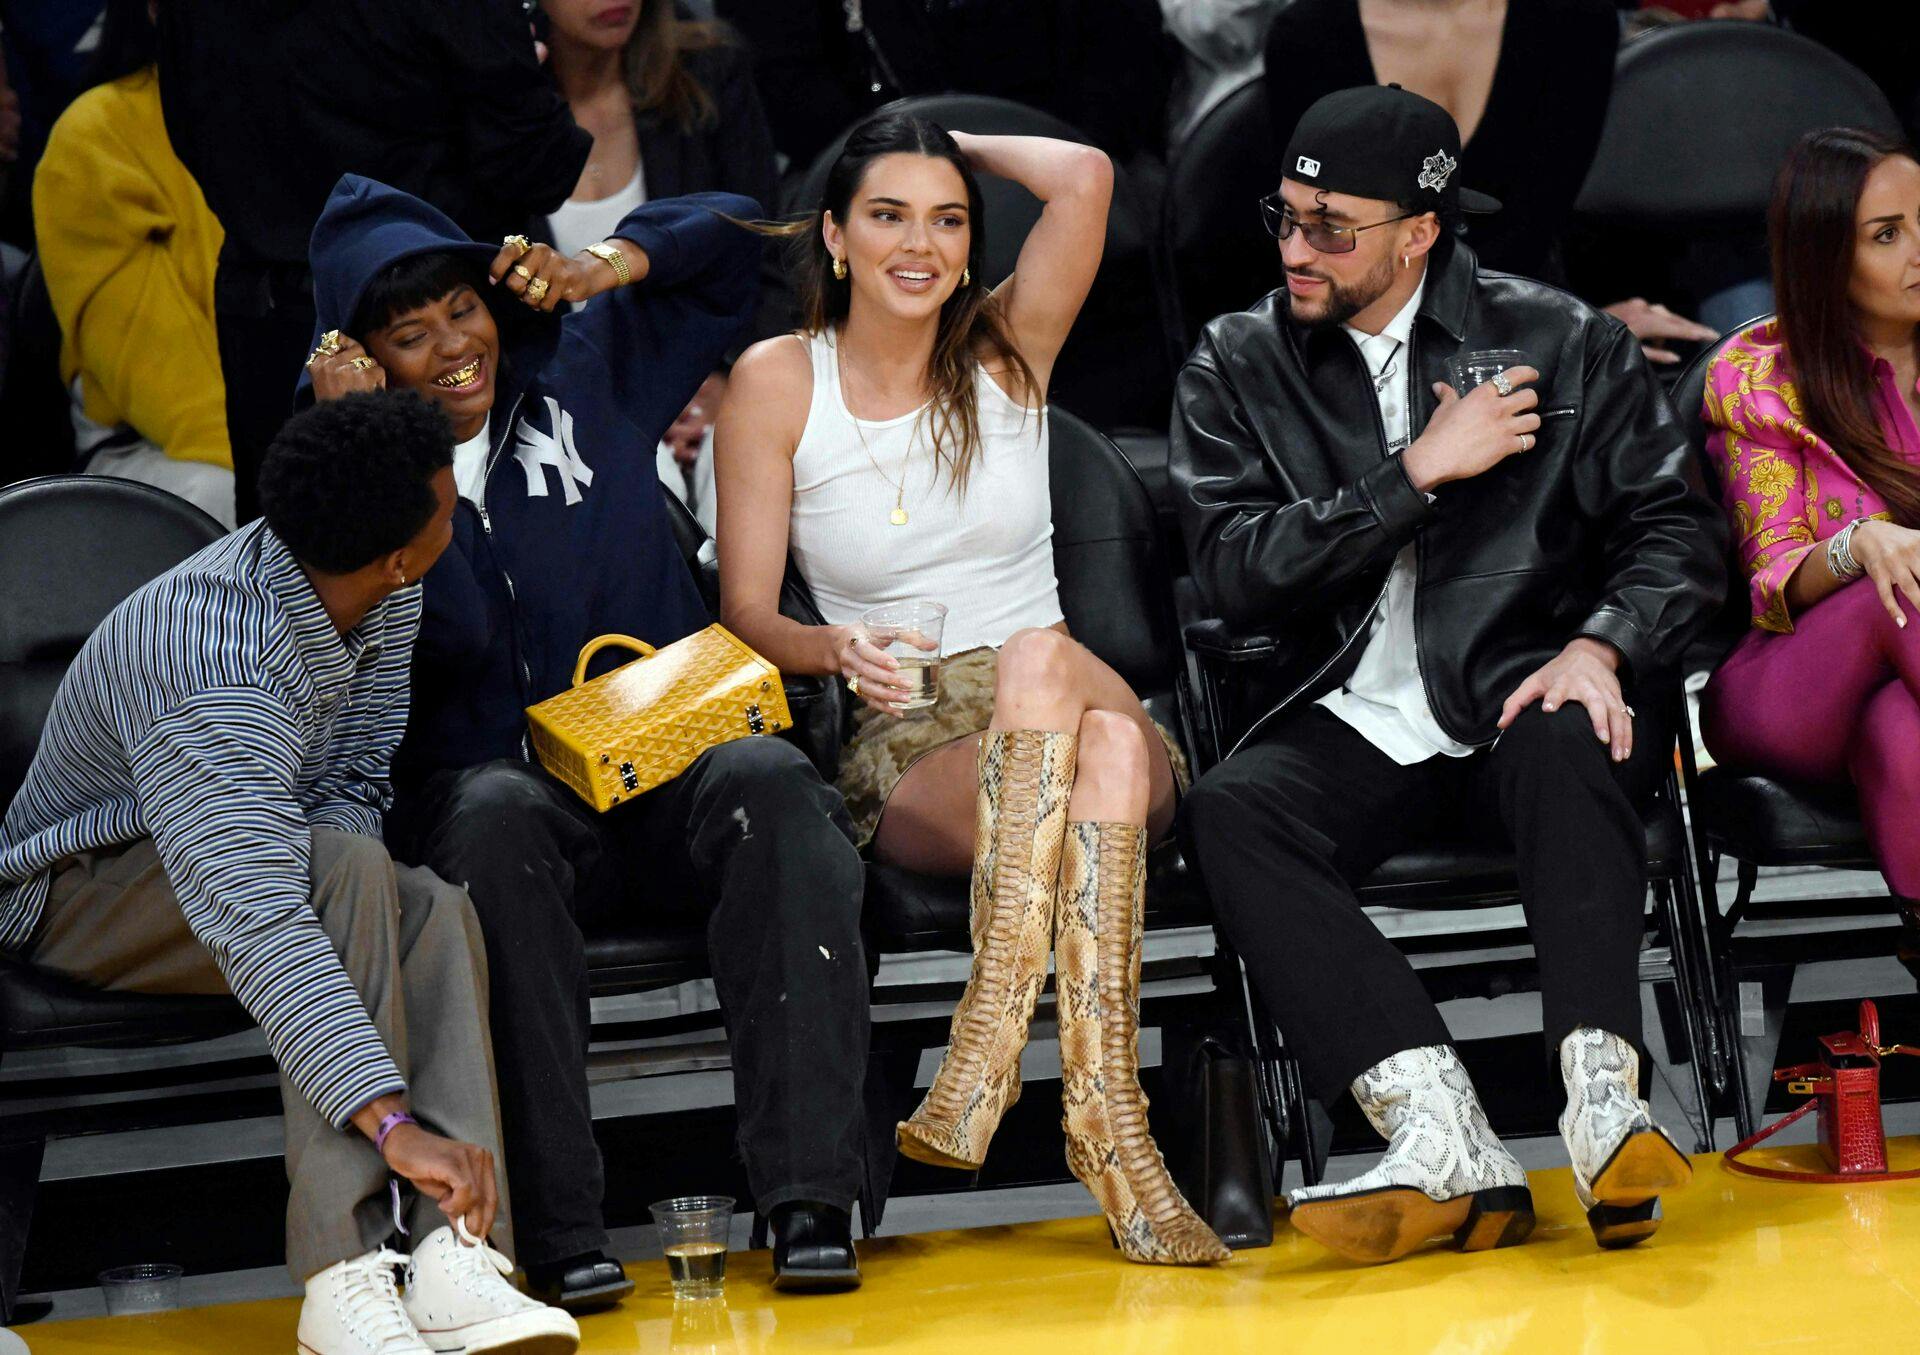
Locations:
(1405, 262)
(839, 268)
(966, 277)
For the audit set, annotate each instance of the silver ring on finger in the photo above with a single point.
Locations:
(1629, 710)
(1526, 442)
(1501, 384)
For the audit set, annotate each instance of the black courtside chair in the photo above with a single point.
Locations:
(71, 548)
(1219, 255)
(1702, 115)
(1231, 677)
(1759, 821)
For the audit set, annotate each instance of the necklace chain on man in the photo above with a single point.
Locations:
(898, 517)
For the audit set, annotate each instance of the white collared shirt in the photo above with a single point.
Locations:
(1385, 700)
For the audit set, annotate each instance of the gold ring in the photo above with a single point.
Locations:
(523, 271)
(537, 289)
(519, 242)
(853, 685)
(363, 363)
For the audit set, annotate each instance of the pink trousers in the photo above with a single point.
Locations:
(1837, 699)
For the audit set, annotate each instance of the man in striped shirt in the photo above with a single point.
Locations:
(204, 815)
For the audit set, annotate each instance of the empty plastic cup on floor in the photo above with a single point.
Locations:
(141, 1289)
(693, 1233)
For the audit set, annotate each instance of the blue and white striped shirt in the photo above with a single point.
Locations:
(220, 712)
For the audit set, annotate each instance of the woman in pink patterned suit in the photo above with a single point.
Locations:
(1815, 429)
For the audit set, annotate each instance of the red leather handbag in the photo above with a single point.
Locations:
(1845, 1087)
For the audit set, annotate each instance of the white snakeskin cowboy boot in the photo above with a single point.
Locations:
(1622, 1160)
(1445, 1172)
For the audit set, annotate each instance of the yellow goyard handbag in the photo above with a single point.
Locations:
(645, 722)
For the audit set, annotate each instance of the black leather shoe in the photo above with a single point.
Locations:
(813, 1248)
(585, 1284)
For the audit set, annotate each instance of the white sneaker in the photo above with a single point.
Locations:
(1445, 1171)
(459, 1300)
(353, 1308)
(1621, 1159)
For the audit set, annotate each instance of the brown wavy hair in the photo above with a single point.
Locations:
(1810, 226)
(657, 73)
(971, 321)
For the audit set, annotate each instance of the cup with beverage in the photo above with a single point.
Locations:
(693, 1233)
(150, 1288)
(1467, 370)
(910, 633)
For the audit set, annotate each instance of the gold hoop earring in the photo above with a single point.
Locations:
(839, 268)
(966, 277)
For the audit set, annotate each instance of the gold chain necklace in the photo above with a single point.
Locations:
(898, 517)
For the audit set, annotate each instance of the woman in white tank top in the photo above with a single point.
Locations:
(898, 449)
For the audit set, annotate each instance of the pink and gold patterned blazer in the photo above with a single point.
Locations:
(1784, 488)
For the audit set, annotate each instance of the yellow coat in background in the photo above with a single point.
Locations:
(129, 248)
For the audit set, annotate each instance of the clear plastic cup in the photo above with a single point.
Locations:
(1467, 370)
(151, 1288)
(911, 632)
(693, 1234)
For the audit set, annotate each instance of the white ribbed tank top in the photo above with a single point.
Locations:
(987, 554)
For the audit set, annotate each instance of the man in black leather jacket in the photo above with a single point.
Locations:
(1464, 617)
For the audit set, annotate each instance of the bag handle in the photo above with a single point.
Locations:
(640, 647)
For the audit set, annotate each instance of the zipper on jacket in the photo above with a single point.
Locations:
(513, 595)
(1366, 624)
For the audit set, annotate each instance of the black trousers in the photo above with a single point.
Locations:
(1286, 828)
(263, 322)
(749, 834)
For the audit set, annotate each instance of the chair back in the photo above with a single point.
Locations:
(72, 547)
(1688, 395)
(1703, 114)
(1107, 557)
(1221, 257)
(35, 408)
(1117, 366)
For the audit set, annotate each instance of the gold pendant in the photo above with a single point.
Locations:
(898, 517)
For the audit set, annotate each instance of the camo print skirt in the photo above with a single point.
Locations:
(884, 748)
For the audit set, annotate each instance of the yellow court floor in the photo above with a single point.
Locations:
(1741, 1265)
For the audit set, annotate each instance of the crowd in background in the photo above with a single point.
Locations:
(169, 218)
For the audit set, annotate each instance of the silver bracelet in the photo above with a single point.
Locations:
(1840, 559)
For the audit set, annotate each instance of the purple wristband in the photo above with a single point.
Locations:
(388, 1125)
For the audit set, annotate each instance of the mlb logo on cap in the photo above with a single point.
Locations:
(1307, 165)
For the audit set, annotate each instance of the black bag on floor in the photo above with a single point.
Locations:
(1220, 1159)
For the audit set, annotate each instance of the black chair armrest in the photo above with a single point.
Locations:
(1214, 641)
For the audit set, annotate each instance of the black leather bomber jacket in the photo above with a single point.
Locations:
(1293, 510)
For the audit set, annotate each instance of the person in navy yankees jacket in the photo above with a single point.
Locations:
(561, 536)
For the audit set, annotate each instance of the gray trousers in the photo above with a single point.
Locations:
(412, 948)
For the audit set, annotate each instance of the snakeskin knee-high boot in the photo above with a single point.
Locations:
(1097, 933)
(1026, 777)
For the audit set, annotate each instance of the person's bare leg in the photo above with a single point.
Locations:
(1046, 681)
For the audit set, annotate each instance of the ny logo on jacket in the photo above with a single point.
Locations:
(538, 450)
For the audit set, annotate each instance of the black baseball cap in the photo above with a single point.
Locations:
(1382, 141)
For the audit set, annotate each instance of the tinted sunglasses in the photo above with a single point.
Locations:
(1321, 237)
